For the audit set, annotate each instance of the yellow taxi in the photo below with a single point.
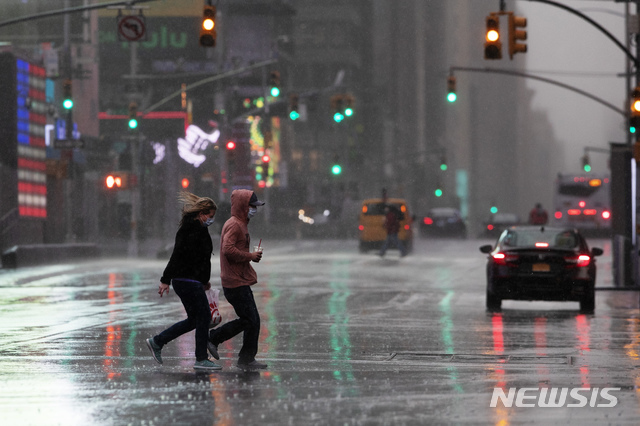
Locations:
(371, 223)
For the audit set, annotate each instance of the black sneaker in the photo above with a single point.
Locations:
(213, 350)
(253, 365)
(155, 350)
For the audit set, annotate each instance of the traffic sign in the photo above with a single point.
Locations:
(68, 143)
(131, 28)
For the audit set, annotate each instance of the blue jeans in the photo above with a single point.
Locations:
(393, 239)
(248, 321)
(194, 300)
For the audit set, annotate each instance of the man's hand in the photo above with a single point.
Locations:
(163, 288)
(256, 256)
(206, 286)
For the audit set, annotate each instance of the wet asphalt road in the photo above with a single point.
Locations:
(350, 338)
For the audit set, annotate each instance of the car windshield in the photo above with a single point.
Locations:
(377, 209)
(505, 218)
(544, 239)
(443, 212)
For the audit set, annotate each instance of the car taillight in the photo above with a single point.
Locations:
(578, 261)
(504, 259)
(558, 215)
(428, 221)
(606, 214)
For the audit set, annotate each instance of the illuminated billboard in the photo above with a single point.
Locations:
(23, 119)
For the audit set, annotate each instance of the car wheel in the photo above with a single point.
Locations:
(494, 303)
(588, 303)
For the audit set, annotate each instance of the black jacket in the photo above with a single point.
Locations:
(191, 257)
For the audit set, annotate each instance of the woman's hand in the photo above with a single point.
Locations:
(163, 288)
(206, 286)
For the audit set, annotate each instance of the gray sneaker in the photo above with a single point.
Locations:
(155, 350)
(206, 365)
(213, 350)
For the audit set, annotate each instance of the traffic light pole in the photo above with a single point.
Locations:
(546, 80)
(135, 166)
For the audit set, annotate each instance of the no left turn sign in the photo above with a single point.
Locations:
(131, 28)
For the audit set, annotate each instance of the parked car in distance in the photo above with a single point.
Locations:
(371, 220)
(498, 222)
(541, 263)
(443, 222)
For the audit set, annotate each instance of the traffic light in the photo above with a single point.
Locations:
(586, 165)
(516, 34)
(493, 45)
(451, 89)
(208, 27)
(117, 180)
(336, 169)
(133, 116)
(293, 107)
(443, 163)
(185, 183)
(231, 154)
(634, 117)
(67, 98)
(266, 158)
(493, 209)
(337, 108)
(438, 191)
(274, 83)
(349, 102)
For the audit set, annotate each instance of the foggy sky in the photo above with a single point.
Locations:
(571, 50)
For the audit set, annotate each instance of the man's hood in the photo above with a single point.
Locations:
(240, 203)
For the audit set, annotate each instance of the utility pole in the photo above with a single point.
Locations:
(68, 153)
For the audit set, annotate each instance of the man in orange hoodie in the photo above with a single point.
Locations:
(237, 276)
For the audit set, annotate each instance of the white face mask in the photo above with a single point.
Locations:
(252, 212)
(209, 221)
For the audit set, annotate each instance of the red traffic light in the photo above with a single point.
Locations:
(266, 158)
(113, 181)
(231, 145)
(185, 183)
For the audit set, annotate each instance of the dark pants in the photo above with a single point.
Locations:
(241, 298)
(392, 239)
(195, 302)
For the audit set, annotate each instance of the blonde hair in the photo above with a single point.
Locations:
(194, 205)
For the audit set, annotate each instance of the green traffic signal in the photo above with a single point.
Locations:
(587, 167)
(451, 97)
(632, 129)
(493, 209)
(275, 91)
(336, 169)
(294, 115)
(443, 167)
(338, 117)
(438, 192)
(67, 103)
(348, 112)
(133, 123)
